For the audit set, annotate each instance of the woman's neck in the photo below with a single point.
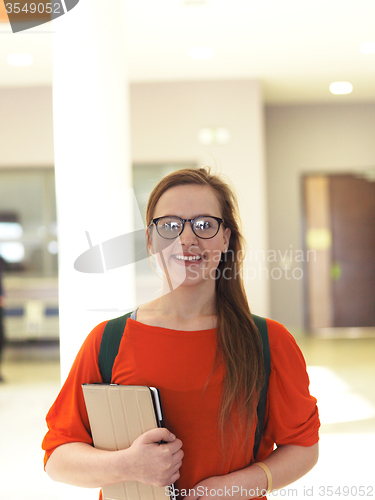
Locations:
(186, 307)
(189, 301)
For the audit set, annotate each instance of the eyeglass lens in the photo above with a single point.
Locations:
(203, 227)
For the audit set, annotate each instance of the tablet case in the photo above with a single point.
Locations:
(118, 414)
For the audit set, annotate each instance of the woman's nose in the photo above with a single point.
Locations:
(188, 235)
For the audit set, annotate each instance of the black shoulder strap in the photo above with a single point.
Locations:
(261, 324)
(110, 344)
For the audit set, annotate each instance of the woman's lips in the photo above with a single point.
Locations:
(188, 260)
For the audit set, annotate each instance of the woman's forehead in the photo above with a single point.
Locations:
(188, 201)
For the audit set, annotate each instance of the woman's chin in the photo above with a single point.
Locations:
(188, 279)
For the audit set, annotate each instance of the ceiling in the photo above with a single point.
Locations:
(295, 47)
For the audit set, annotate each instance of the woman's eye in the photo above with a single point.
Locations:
(172, 226)
(202, 225)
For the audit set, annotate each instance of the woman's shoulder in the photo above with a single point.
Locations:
(94, 338)
(286, 355)
(280, 339)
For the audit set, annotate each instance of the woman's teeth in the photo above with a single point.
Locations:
(188, 257)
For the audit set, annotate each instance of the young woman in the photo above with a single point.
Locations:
(199, 345)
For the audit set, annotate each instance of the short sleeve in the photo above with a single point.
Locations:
(292, 413)
(67, 420)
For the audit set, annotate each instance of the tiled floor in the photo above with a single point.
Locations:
(342, 374)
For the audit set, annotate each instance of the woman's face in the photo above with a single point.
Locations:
(188, 202)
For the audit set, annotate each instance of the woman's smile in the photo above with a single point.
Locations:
(187, 259)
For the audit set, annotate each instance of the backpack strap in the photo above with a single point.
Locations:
(110, 344)
(261, 324)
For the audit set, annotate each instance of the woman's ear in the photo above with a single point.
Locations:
(152, 241)
(226, 235)
(148, 238)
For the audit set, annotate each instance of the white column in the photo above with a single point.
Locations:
(92, 160)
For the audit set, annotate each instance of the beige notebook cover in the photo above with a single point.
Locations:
(118, 414)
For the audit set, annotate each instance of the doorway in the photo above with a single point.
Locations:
(339, 226)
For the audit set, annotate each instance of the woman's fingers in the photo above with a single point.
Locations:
(157, 457)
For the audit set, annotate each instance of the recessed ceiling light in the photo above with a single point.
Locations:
(20, 59)
(219, 135)
(206, 136)
(367, 48)
(201, 53)
(341, 87)
(223, 135)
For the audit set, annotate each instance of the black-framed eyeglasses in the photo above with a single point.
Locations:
(171, 226)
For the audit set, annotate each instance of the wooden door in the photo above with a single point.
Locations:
(339, 221)
(352, 202)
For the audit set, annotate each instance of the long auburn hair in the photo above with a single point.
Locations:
(238, 342)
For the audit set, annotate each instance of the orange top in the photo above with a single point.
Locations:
(179, 364)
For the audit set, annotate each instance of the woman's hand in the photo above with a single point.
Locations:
(155, 463)
(147, 460)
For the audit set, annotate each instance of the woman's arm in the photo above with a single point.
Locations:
(146, 460)
(286, 464)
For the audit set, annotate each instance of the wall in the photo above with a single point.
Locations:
(26, 133)
(165, 121)
(304, 139)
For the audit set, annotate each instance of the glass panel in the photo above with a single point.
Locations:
(28, 222)
(28, 245)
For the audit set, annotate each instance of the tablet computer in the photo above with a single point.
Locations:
(118, 414)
